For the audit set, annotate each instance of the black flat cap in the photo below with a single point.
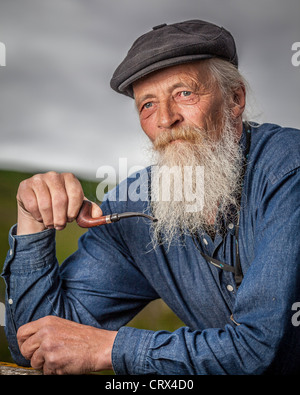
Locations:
(170, 45)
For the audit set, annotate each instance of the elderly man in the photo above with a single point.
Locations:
(227, 265)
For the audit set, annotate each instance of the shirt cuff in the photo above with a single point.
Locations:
(130, 349)
(36, 250)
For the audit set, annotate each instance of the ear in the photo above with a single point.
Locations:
(238, 102)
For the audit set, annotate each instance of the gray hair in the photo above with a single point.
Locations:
(227, 76)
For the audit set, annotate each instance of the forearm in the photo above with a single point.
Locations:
(77, 290)
(35, 294)
(33, 279)
(185, 352)
(30, 272)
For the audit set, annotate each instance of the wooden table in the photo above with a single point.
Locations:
(12, 369)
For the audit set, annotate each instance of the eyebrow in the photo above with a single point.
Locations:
(144, 98)
(191, 84)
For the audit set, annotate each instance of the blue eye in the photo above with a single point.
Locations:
(148, 105)
(187, 97)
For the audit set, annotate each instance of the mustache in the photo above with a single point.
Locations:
(187, 133)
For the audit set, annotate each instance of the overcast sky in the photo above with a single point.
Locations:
(57, 110)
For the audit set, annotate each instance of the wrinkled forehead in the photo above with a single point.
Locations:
(194, 75)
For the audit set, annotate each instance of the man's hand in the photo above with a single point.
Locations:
(59, 346)
(49, 200)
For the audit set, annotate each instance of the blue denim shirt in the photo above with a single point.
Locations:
(116, 272)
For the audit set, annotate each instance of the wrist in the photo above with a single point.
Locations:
(27, 224)
(104, 354)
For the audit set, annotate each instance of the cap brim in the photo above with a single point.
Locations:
(126, 86)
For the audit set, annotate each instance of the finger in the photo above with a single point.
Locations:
(27, 330)
(30, 345)
(28, 339)
(59, 199)
(27, 201)
(37, 360)
(44, 203)
(75, 195)
(47, 371)
(40, 207)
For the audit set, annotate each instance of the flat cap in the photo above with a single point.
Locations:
(170, 45)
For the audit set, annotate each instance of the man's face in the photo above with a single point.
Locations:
(185, 116)
(178, 96)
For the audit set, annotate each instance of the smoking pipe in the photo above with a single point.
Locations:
(85, 219)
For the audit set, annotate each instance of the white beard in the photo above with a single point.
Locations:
(215, 169)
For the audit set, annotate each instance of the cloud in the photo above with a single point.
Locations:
(57, 109)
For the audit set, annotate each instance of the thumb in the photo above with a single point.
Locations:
(95, 210)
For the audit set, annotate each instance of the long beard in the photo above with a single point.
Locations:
(195, 179)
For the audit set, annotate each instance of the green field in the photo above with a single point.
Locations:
(155, 316)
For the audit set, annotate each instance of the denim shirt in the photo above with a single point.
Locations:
(116, 271)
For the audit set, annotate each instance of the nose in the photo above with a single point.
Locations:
(168, 115)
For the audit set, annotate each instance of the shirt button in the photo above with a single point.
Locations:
(10, 252)
(10, 301)
(230, 226)
(205, 242)
(230, 288)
